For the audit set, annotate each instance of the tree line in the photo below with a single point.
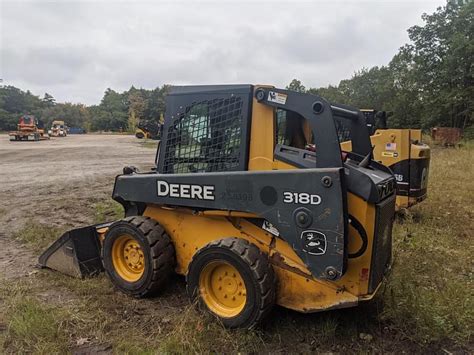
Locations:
(429, 82)
(115, 112)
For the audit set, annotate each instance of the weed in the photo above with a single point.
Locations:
(36, 235)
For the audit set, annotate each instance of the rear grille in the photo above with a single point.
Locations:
(382, 246)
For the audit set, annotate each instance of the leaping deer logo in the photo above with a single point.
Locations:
(314, 242)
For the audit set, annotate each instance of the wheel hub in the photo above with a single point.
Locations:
(128, 258)
(223, 289)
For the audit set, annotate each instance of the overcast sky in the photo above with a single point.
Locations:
(74, 50)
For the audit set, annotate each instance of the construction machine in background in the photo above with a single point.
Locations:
(58, 129)
(402, 150)
(242, 209)
(29, 128)
(148, 129)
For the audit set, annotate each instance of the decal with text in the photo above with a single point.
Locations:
(277, 97)
(301, 198)
(188, 191)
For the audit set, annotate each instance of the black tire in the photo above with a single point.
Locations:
(255, 270)
(139, 135)
(159, 255)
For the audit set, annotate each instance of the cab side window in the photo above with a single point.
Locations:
(343, 129)
(292, 129)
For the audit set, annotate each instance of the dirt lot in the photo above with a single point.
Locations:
(50, 186)
(52, 181)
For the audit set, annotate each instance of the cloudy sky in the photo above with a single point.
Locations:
(74, 50)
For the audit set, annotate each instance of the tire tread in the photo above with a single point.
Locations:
(261, 269)
(161, 250)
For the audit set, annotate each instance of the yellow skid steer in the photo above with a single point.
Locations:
(403, 151)
(250, 213)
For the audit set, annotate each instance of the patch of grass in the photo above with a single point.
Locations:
(107, 210)
(32, 326)
(194, 332)
(429, 297)
(36, 235)
(427, 304)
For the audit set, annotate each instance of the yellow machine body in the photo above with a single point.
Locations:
(297, 289)
(140, 134)
(402, 151)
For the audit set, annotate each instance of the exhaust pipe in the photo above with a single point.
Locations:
(76, 253)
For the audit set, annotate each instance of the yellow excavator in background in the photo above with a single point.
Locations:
(402, 151)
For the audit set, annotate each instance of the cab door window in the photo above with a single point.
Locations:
(207, 137)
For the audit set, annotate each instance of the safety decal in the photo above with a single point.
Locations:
(391, 146)
(390, 154)
(270, 228)
(277, 97)
(313, 242)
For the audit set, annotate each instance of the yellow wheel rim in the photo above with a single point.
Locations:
(128, 258)
(222, 289)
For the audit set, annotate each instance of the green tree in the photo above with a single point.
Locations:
(137, 105)
(114, 111)
(156, 103)
(48, 100)
(296, 85)
(442, 61)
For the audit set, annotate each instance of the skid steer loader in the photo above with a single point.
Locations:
(249, 221)
(402, 150)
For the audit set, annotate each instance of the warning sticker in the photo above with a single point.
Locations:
(270, 228)
(390, 154)
(391, 146)
(277, 97)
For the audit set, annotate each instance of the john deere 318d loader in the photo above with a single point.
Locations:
(245, 211)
